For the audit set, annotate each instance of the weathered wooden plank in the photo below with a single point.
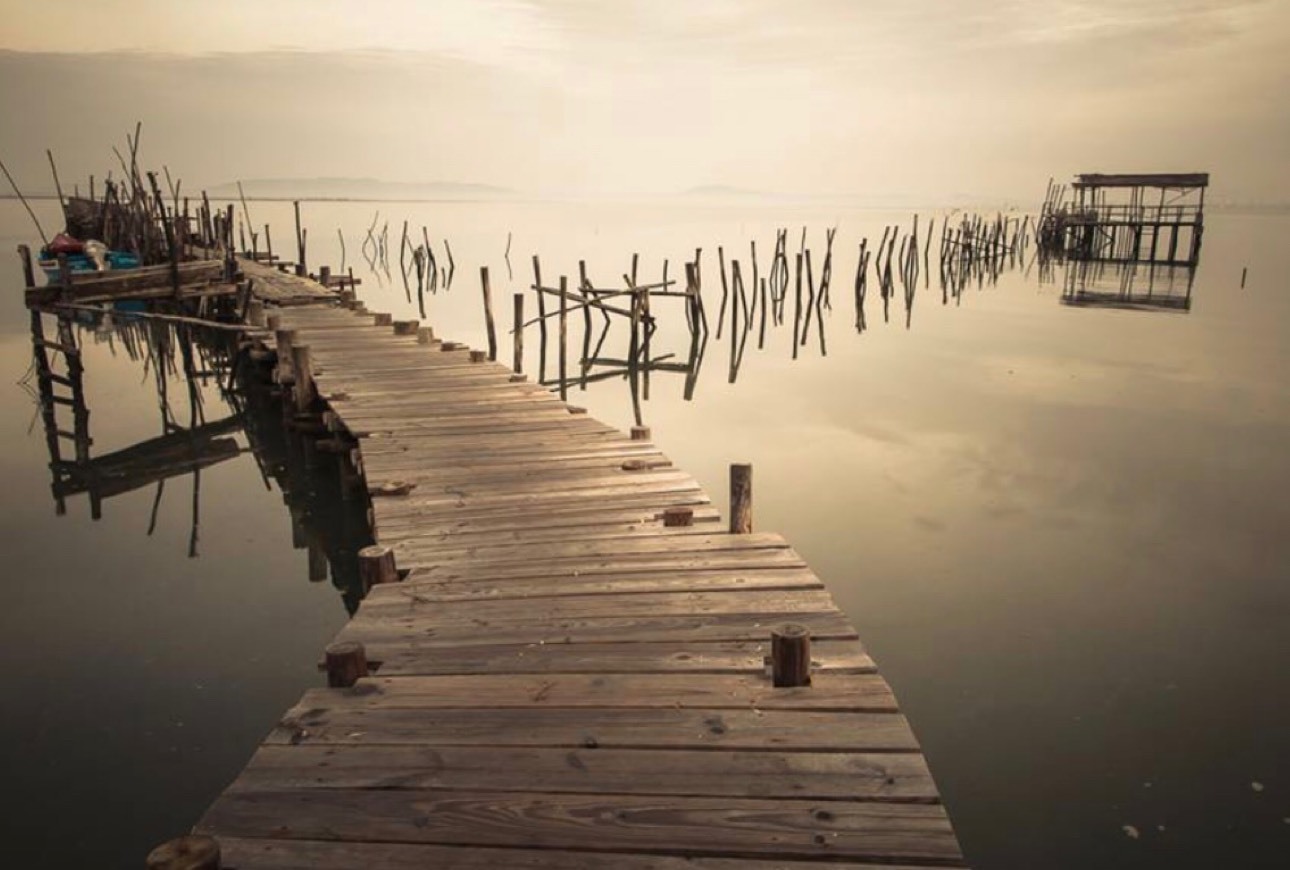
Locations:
(402, 648)
(665, 825)
(296, 854)
(613, 584)
(627, 656)
(883, 776)
(836, 693)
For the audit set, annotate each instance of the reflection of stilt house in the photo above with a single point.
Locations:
(1156, 219)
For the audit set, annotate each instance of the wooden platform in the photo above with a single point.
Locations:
(563, 681)
(282, 288)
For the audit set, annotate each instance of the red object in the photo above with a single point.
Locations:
(65, 244)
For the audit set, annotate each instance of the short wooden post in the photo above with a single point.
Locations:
(478, 356)
(425, 335)
(740, 498)
(382, 319)
(286, 339)
(304, 378)
(273, 322)
(517, 361)
(348, 298)
(640, 433)
(406, 327)
(678, 516)
(191, 852)
(790, 656)
(346, 663)
(255, 312)
(324, 275)
(489, 324)
(28, 273)
(376, 565)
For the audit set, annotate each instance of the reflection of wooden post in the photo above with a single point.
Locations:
(376, 565)
(191, 852)
(517, 363)
(317, 562)
(790, 655)
(740, 499)
(346, 664)
(304, 379)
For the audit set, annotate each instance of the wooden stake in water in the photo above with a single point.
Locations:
(488, 314)
(517, 362)
(564, 335)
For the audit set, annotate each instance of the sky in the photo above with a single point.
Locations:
(851, 98)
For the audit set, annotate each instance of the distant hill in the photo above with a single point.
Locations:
(725, 190)
(359, 188)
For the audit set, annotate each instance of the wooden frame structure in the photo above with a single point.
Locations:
(1156, 219)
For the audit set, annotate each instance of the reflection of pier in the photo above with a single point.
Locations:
(1130, 285)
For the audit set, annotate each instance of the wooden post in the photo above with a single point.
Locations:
(255, 312)
(324, 275)
(346, 664)
(64, 277)
(317, 562)
(285, 339)
(640, 433)
(564, 338)
(478, 356)
(517, 361)
(790, 656)
(678, 516)
(376, 565)
(382, 319)
(1244, 270)
(28, 274)
(488, 313)
(301, 269)
(191, 852)
(425, 335)
(406, 327)
(304, 379)
(541, 303)
(740, 498)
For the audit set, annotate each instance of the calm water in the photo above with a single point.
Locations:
(1060, 530)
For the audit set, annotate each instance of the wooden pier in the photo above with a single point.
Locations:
(566, 659)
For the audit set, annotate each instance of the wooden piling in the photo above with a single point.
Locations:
(406, 327)
(675, 517)
(564, 335)
(488, 313)
(346, 664)
(190, 852)
(304, 379)
(301, 269)
(478, 356)
(425, 335)
(285, 339)
(376, 564)
(255, 312)
(324, 275)
(517, 335)
(28, 273)
(381, 318)
(740, 498)
(1244, 270)
(790, 655)
(640, 433)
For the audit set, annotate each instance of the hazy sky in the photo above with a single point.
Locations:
(920, 97)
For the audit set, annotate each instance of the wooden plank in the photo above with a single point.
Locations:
(837, 693)
(297, 854)
(750, 828)
(632, 655)
(883, 776)
(399, 648)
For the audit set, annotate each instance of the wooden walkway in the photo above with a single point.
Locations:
(563, 681)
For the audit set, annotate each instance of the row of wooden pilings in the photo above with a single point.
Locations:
(346, 662)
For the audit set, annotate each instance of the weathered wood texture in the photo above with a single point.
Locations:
(568, 676)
